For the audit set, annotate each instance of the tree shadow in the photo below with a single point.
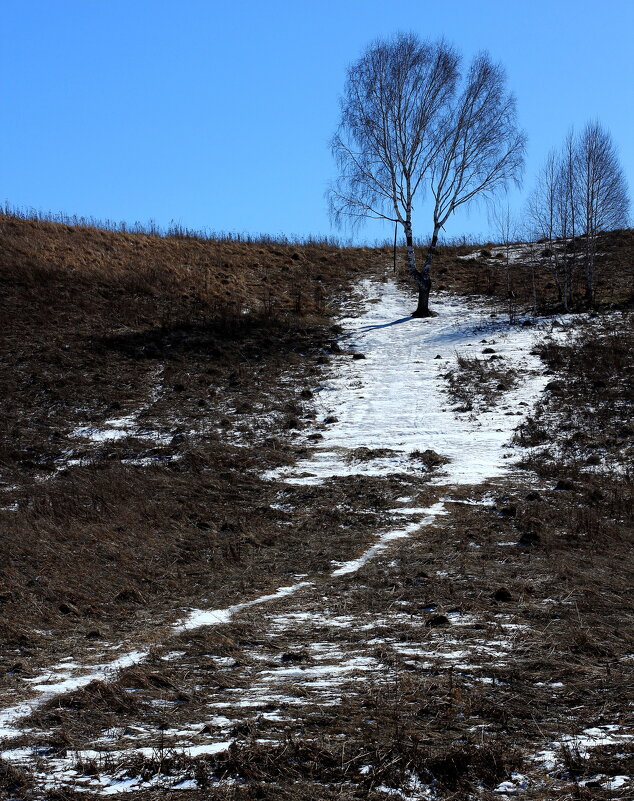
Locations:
(367, 328)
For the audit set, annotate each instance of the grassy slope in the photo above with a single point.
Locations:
(88, 317)
(93, 322)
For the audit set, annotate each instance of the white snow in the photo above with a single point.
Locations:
(395, 398)
(609, 734)
(50, 690)
(206, 617)
(354, 565)
(46, 689)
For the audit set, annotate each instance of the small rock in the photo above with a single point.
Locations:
(69, 609)
(437, 620)
(488, 350)
(438, 356)
(331, 419)
(358, 356)
(129, 595)
(529, 538)
(295, 657)
(565, 484)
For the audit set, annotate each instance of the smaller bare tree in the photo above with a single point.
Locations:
(580, 190)
(602, 193)
(505, 226)
(552, 213)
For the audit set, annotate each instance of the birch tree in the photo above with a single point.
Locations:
(602, 191)
(553, 210)
(392, 110)
(580, 192)
(481, 150)
(406, 128)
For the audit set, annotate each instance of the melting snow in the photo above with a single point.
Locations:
(395, 398)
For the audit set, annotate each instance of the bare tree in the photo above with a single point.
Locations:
(388, 137)
(580, 190)
(482, 149)
(506, 228)
(404, 128)
(552, 211)
(602, 192)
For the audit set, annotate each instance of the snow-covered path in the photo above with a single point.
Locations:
(394, 398)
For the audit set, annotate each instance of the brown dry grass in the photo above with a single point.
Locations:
(531, 282)
(94, 323)
(88, 316)
(478, 383)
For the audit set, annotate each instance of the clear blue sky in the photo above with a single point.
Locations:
(218, 114)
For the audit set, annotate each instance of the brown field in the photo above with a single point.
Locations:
(200, 358)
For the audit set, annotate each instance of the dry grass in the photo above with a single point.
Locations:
(531, 283)
(478, 383)
(109, 550)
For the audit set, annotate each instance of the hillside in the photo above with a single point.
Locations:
(264, 536)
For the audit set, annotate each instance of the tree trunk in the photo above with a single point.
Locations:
(424, 280)
(411, 256)
(590, 258)
(395, 234)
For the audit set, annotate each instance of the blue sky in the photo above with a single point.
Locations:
(218, 114)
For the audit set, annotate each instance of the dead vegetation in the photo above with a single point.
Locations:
(588, 403)
(500, 631)
(183, 342)
(525, 284)
(477, 384)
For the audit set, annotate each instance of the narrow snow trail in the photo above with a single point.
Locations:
(65, 678)
(394, 398)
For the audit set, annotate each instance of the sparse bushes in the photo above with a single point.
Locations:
(476, 384)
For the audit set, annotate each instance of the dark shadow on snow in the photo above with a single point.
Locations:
(367, 328)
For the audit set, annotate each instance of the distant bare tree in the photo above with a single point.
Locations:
(506, 228)
(388, 137)
(482, 149)
(552, 211)
(602, 192)
(581, 190)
